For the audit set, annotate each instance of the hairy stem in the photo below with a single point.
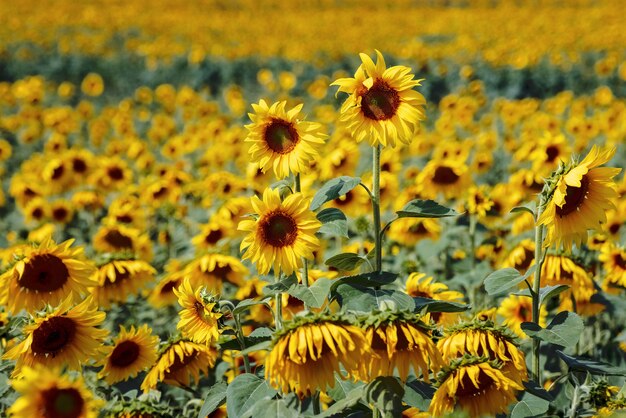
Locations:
(376, 208)
(536, 289)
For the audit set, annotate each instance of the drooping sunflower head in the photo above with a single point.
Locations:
(382, 106)
(199, 318)
(282, 141)
(46, 393)
(577, 198)
(282, 235)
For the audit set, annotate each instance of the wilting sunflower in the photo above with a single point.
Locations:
(46, 393)
(517, 309)
(119, 278)
(400, 341)
(64, 337)
(614, 261)
(475, 385)
(282, 141)
(582, 195)
(132, 351)
(180, 364)
(421, 285)
(199, 319)
(47, 274)
(308, 352)
(282, 235)
(382, 106)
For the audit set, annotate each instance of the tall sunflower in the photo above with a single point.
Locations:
(47, 274)
(67, 336)
(382, 105)
(199, 319)
(180, 364)
(132, 351)
(582, 195)
(282, 141)
(119, 278)
(46, 393)
(282, 235)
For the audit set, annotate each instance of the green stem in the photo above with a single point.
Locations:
(536, 289)
(238, 333)
(305, 262)
(376, 208)
(316, 403)
(472, 255)
(575, 401)
(278, 301)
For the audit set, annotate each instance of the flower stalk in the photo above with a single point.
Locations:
(305, 262)
(539, 258)
(376, 208)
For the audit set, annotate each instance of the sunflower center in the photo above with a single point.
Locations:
(222, 272)
(619, 261)
(574, 198)
(60, 214)
(53, 335)
(551, 153)
(281, 136)
(125, 219)
(169, 287)
(524, 263)
(445, 175)
(467, 389)
(345, 199)
(124, 354)
(118, 240)
(115, 173)
(120, 276)
(614, 228)
(380, 102)
(523, 313)
(44, 273)
(213, 237)
(62, 403)
(79, 166)
(418, 229)
(57, 172)
(279, 229)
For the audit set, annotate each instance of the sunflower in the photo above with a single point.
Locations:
(354, 203)
(46, 393)
(478, 201)
(117, 238)
(36, 210)
(382, 105)
(522, 257)
(283, 234)
(48, 274)
(282, 141)
(199, 319)
(213, 234)
(448, 177)
(180, 364)
(614, 261)
(213, 270)
(64, 337)
(400, 341)
(517, 309)
(163, 293)
(120, 277)
(308, 352)
(476, 386)
(420, 285)
(61, 211)
(582, 195)
(132, 351)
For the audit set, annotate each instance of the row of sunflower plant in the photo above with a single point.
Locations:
(247, 323)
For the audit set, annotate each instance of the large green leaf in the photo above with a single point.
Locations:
(246, 304)
(386, 393)
(502, 280)
(342, 387)
(275, 408)
(281, 286)
(365, 299)
(345, 261)
(433, 305)
(334, 222)
(546, 292)
(425, 209)
(352, 398)
(333, 189)
(563, 330)
(418, 394)
(371, 279)
(530, 406)
(314, 295)
(245, 391)
(592, 366)
(214, 399)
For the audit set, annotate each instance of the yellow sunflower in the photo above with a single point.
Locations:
(180, 364)
(382, 106)
(614, 261)
(64, 337)
(213, 234)
(522, 256)
(132, 351)
(408, 232)
(448, 177)
(517, 309)
(48, 274)
(119, 238)
(421, 285)
(46, 393)
(199, 319)
(307, 354)
(163, 293)
(213, 270)
(119, 278)
(477, 387)
(282, 141)
(582, 195)
(283, 234)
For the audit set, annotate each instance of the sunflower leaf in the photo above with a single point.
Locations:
(386, 392)
(371, 279)
(334, 222)
(522, 209)
(271, 408)
(502, 280)
(282, 286)
(433, 305)
(425, 209)
(592, 366)
(245, 391)
(247, 304)
(418, 394)
(564, 329)
(215, 397)
(333, 189)
(352, 398)
(530, 406)
(546, 292)
(345, 261)
(532, 387)
(365, 299)
(314, 295)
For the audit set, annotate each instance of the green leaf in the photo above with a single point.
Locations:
(263, 345)
(530, 406)
(563, 330)
(532, 387)
(352, 398)
(342, 388)
(502, 280)
(334, 222)
(277, 408)
(371, 279)
(345, 261)
(333, 189)
(517, 209)
(214, 399)
(281, 286)
(592, 366)
(261, 332)
(546, 292)
(418, 394)
(245, 391)
(314, 295)
(432, 305)
(280, 184)
(248, 341)
(247, 304)
(425, 209)
(386, 392)
(365, 299)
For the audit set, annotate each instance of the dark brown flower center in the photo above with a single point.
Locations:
(281, 136)
(115, 173)
(445, 175)
(418, 229)
(62, 403)
(79, 165)
(124, 354)
(57, 173)
(125, 219)
(279, 229)
(44, 273)
(574, 198)
(168, 288)
(120, 276)
(615, 227)
(619, 261)
(466, 388)
(118, 240)
(53, 335)
(37, 213)
(380, 102)
(524, 263)
(345, 199)
(60, 214)
(213, 237)
(551, 153)
(222, 272)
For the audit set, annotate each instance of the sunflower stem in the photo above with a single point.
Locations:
(238, 333)
(539, 258)
(278, 301)
(472, 255)
(305, 262)
(316, 403)
(376, 208)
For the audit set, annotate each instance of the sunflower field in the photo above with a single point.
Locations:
(322, 208)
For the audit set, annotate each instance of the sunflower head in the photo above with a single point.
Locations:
(200, 316)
